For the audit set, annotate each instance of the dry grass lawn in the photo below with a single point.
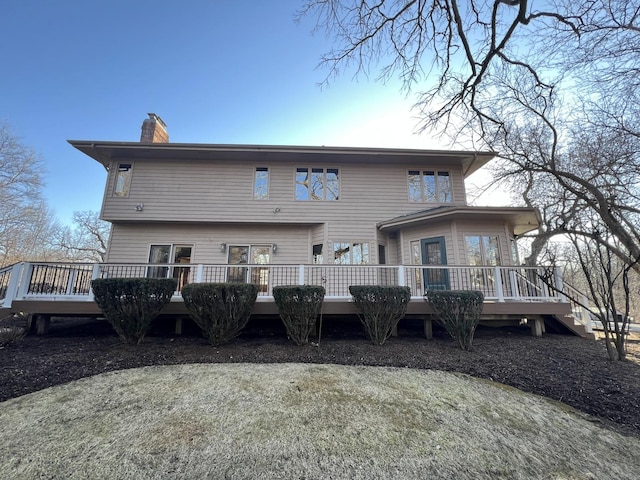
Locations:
(294, 421)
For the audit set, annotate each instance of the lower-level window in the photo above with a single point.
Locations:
(170, 254)
(345, 253)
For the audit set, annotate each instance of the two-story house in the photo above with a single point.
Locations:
(333, 216)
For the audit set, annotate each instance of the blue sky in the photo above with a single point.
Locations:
(225, 71)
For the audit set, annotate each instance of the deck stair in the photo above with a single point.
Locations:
(574, 325)
(579, 320)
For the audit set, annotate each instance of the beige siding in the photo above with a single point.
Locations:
(130, 242)
(199, 191)
(213, 201)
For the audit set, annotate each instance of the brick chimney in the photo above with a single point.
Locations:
(154, 130)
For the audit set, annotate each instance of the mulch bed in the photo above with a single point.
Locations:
(562, 367)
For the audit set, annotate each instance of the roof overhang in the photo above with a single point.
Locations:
(521, 219)
(106, 152)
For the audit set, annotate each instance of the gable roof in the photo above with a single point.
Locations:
(521, 219)
(105, 152)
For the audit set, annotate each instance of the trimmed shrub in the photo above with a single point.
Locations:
(298, 306)
(458, 311)
(221, 310)
(382, 307)
(131, 304)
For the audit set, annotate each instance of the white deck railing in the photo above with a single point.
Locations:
(72, 281)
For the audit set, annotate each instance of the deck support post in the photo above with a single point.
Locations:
(179, 322)
(43, 322)
(537, 327)
(394, 330)
(428, 328)
(30, 323)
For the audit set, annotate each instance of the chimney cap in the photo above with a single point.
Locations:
(157, 118)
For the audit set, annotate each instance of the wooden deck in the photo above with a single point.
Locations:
(512, 294)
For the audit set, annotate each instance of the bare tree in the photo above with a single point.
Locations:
(532, 84)
(87, 240)
(26, 224)
(608, 286)
(554, 89)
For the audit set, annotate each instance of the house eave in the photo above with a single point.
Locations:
(105, 151)
(521, 219)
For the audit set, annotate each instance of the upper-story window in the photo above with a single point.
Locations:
(261, 184)
(123, 179)
(430, 186)
(317, 184)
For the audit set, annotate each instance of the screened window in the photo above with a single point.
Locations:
(429, 186)
(317, 183)
(123, 179)
(261, 184)
(345, 253)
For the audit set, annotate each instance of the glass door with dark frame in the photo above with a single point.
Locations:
(250, 254)
(434, 253)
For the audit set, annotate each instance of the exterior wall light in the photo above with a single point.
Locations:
(139, 207)
(223, 247)
(274, 248)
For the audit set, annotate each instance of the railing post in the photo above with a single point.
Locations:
(25, 279)
(199, 273)
(557, 280)
(300, 274)
(12, 287)
(73, 274)
(515, 289)
(544, 287)
(498, 282)
(95, 274)
(401, 281)
(584, 313)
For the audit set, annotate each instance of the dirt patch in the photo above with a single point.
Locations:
(561, 367)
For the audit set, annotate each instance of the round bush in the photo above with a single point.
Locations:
(221, 310)
(299, 306)
(131, 304)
